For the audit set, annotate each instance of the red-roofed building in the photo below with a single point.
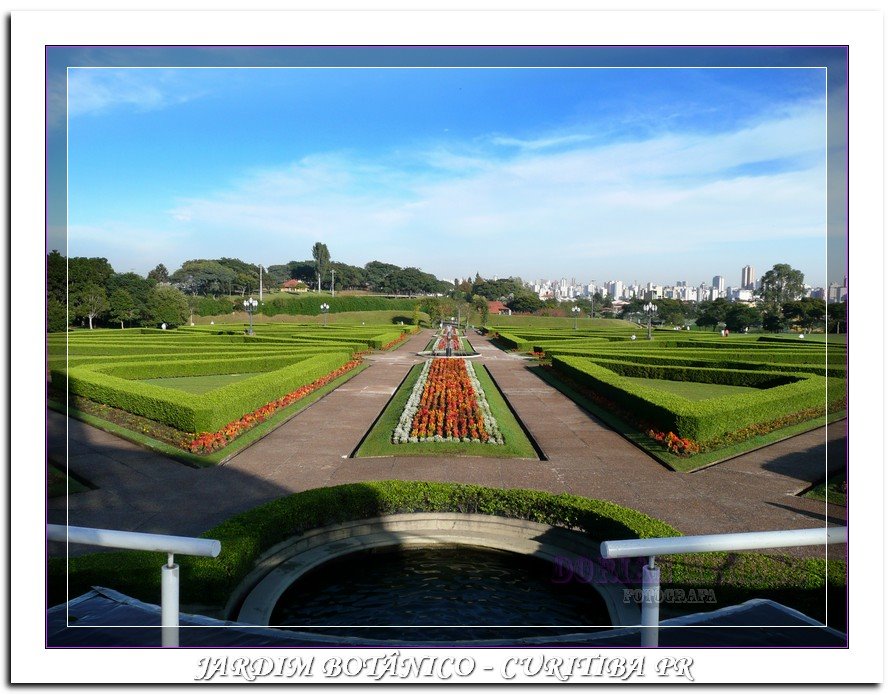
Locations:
(499, 308)
(294, 286)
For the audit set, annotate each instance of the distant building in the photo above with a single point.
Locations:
(718, 284)
(748, 281)
(294, 286)
(499, 309)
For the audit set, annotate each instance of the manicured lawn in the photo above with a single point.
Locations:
(693, 390)
(584, 323)
(378, 441)
(198, 384)
(833, 491)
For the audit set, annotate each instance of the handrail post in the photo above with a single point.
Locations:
(649, 611)
(170, 603)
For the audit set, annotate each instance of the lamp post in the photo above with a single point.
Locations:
(650, 309)
(575, 311)
(250, 305)
(325, 309)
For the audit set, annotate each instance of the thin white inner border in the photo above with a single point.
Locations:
(488, 67)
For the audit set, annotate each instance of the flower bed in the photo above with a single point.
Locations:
(207, 442)
(447, 404)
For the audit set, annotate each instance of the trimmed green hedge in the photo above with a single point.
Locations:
(190, 412)
(244, 537)
(309, 304)
(702, 420)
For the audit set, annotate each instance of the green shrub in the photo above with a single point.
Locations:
(708, 419)
(309, 305)
(190, 412)
(736, 577)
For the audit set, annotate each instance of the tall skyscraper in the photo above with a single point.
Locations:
(718, 284)
(748, 282)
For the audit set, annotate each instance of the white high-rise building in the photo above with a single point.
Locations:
(748, 282)
(718, 284)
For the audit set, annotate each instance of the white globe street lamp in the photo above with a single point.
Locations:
(325, 309)
(650, 309)
(250, 305)
(575, 311)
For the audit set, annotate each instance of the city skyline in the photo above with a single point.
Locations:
(660, 175)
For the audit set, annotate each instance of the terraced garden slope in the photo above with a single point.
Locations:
(196, 390)
(695, 398)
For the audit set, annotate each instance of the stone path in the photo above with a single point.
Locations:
(142, 491)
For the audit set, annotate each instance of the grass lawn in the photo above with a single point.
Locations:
(693, 390)
(585, 323)
(351, 318)
(378, 441)
(660, 452)
(833, 491)
(198, 384)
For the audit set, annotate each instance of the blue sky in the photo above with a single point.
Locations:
(633, 174)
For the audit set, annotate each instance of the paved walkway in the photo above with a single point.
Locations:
(142, 491)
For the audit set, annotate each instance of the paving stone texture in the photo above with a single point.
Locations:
(142, 491)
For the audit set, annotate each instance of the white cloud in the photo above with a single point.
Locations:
(678, 194)
(541, 143)
(92, 90)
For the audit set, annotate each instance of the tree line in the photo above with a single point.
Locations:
(97, 295)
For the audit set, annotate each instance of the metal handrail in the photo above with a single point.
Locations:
(651, 547)
(153, 542)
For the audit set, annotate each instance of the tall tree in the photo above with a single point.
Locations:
(320, 254)
(56, 276)
(159, 273)
(739, 317)
(89, 301)
(781, 284)
(122, 306)
(710, 314)
(88, 271)
(838, 314)
(167, 305)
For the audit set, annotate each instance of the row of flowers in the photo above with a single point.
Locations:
(400, 339)
(444, 340)
(447, 404)
(208, 442)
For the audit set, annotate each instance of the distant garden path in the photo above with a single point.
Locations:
(142, 491)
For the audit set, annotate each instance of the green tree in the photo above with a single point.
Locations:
(480, 304)
(773, 321)
(781, 284)
(524, 302)
(57, 277)
(122, 306)
(805, 314)
(739, 317)
(204, 277)
(57, 320)
(88, 271)
(89, 302)
(838, 316)
(710, 314)
(167, 305)
(158, 274)
(320, 254)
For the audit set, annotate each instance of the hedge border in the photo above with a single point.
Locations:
(244, 537)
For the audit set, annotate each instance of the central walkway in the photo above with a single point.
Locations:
(142, 491)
